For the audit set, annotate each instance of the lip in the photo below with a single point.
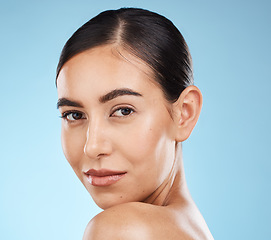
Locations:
(103, 177)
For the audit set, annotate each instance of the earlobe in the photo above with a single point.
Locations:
(187, 110)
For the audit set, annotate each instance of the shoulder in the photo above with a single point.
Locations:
(125, 221)
(133, 221)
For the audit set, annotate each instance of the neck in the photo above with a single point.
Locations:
(174, 188)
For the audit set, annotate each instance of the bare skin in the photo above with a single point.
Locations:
(172, 215)
(138, 135)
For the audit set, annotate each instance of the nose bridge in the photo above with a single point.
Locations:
(97, 143)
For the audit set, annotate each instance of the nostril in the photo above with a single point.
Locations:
(97, 142)
(96, 148)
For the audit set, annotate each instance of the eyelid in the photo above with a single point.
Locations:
(117, 108)
(67, 113)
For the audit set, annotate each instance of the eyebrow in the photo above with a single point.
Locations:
(103, 99)
(66, 102)
(117, 93)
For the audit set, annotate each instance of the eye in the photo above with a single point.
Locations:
(122, 112)
(73, 116)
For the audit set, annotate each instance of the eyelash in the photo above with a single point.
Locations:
(131, 111)
(66, 114)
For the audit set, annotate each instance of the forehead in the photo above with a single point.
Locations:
(102, 69)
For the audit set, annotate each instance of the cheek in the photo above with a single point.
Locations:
(73, 146)
(149, 152)
(148, 145)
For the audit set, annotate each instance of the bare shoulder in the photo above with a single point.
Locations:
(133, 221)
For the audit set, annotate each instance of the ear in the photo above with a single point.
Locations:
(186, 112)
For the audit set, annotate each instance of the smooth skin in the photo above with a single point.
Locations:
(138, 133)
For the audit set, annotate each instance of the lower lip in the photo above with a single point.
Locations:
(105, 180)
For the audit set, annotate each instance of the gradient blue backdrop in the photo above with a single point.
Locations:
(227, 158)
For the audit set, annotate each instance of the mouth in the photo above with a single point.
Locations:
(103, 177)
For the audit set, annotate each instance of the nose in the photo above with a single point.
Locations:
(97, 142)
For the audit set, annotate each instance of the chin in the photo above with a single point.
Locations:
(109, 199)
(108, 203)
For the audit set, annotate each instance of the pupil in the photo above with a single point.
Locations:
(76, 115)
(126, 111)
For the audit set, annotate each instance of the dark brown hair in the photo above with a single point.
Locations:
(147, 35)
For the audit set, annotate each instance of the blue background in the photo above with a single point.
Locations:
(227, 158)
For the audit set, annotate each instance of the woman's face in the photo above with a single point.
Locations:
(117, 131)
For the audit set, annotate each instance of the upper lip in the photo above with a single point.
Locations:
(103, 172)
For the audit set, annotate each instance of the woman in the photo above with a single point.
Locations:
(127, 100)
